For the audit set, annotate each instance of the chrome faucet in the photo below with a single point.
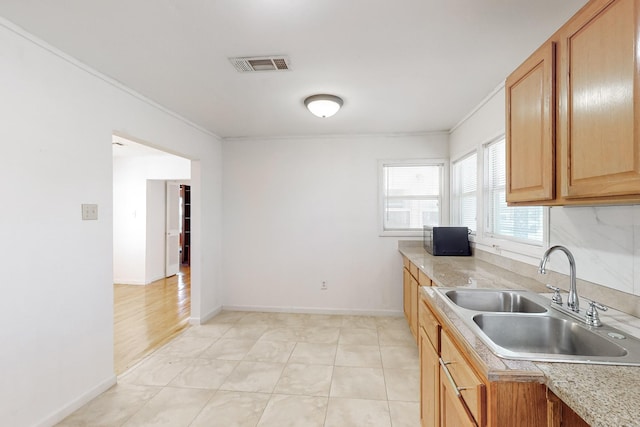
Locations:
(572, 300)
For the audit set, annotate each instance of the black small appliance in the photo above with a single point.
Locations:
(447, 241)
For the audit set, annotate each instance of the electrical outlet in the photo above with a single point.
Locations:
(323, 286)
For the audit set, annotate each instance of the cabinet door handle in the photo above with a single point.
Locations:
(450, 378)
(458, 389)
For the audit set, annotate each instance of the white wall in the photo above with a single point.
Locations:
(484, 124)
(604, 240)
(133, 263)
(56, 343)
(300, 211)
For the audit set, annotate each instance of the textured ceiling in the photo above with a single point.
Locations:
(400, 66)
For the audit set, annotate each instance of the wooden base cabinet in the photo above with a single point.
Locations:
(406, 294)
(451, 394)
(455, 393)
(410, 295)
(516, 404)
(413, 318)
(453, 412)
(560, 415)
(412, 279)
(429, 383)
(458, 378)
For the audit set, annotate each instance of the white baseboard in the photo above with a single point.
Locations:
(313, 310)
(78, 403)
(206, 317)
(154, 279)
(129, 282)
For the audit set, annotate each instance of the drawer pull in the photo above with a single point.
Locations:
(458, 389)
(450, 378)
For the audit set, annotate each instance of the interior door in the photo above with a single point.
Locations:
(172, 241)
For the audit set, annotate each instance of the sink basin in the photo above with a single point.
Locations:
(496, 301)
(522, 325)
(545, 334)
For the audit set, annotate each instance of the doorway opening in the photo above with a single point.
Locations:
(185, 225)
(152, 281)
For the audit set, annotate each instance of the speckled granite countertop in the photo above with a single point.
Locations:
(603, 395)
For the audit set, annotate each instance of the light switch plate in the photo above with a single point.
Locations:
(89, 212)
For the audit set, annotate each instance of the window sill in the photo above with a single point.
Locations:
(399, 233)
(517, 250)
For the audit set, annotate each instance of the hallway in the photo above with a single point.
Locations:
(147, 317)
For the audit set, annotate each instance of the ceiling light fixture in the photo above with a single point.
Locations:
(323, 105)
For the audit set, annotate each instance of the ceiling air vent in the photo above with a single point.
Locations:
(249, 64)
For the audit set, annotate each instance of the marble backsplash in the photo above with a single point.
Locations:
(605, 242)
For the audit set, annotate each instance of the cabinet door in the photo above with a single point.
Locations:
(599, 117)
(560, 415)
(413, 315)
(530, 128)
(406, 294)
(453, 412)
(429, 383)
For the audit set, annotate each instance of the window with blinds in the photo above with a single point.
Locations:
(411, 195)
(464, 191)
(524, 224)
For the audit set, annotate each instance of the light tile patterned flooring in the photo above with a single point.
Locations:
(270, 370)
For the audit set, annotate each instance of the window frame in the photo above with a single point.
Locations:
(456, 198)
(443, 213)
(499, 242)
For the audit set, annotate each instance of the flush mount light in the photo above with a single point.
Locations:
(323, 105)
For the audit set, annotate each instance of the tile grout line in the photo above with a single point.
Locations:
(384, 379)
(256, 338)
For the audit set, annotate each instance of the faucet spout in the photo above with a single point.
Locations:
(572, 301)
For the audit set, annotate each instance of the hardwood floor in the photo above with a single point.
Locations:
(146, 317)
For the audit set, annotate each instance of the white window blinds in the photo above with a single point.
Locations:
(465, 183)
(523, 224)
(411, 196)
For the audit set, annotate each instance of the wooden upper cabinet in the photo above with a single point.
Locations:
(573, 112)
(530, 128)
(600, 111)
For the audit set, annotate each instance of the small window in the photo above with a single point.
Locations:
(464, 191)
(524, 224)
(411, 195)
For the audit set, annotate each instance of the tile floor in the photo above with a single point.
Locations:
(270, 370)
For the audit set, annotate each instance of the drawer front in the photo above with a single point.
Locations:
(430, 324)
(406, 262)
(471, 387)
(453, 412)
(413, 269)
(423, 279)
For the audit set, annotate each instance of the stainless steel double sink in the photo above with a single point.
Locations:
(524, 325)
